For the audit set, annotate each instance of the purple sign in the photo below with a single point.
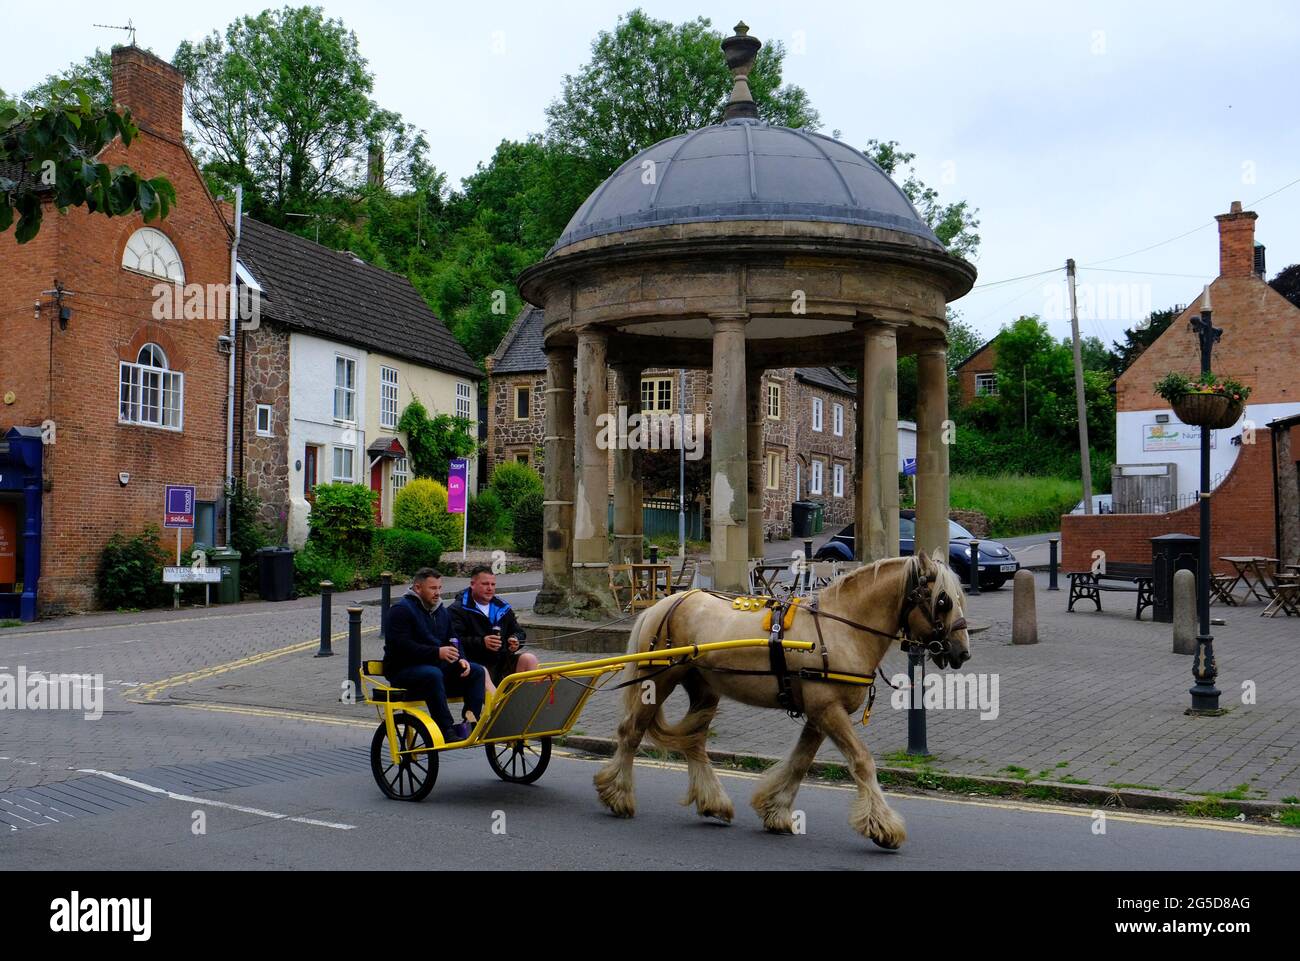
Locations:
(457, 485)
(178, 507)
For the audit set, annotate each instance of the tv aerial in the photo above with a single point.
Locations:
(130, 28)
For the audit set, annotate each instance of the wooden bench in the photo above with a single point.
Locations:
(1126, 578)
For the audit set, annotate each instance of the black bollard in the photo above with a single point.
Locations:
(354, 651)
(385, 598)
(1052, 544)
(807, 565)
(654, 553)
(326, 591)
(916, 745)
(974, 568)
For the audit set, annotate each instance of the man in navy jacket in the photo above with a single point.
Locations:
(421, 655)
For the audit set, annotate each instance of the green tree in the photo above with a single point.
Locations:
(93, 74)
(1287, 283)
(53, 150)
(1139, 338)
(281, 104)
(433, 442)
(955, 224)
(650, 79)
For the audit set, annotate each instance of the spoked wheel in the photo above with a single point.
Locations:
(413, 776)
(519, 762)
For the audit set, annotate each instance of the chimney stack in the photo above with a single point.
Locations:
(1237, 242)
(152, 89)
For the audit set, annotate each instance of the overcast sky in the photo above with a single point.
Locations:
(1089, 132)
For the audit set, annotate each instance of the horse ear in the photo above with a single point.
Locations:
(922, 560)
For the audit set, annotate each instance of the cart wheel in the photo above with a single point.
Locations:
(519, 762)
(413, 776)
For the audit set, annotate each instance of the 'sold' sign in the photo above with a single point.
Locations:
(178, 508)
(8, 542)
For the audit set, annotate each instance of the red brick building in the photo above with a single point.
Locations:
(1253, 500)
(130, 403)
(977, 375)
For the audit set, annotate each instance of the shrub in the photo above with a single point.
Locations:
(343, 519)
(403, 551)
(130, 571)
(488, 519)
(247, 532)
(311, 565)
(527, 526)
(422, 506)
(511, 481)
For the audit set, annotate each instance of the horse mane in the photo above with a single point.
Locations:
(945, 579)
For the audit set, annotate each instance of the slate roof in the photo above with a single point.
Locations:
(520, 352)
(746, 169)
(335, 295)
(828, 378)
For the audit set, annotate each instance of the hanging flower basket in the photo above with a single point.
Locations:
(1206, 401)
(1212, 410)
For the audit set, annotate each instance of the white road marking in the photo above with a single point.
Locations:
(217, 804)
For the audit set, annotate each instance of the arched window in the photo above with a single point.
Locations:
(151, 393)
(150, 252)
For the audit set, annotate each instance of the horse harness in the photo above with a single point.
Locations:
(780, 617)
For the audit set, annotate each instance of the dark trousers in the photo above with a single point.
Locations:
(432, 683)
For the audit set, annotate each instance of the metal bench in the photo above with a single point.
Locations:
(1125, 578)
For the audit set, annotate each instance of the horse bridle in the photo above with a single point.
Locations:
(936, 639)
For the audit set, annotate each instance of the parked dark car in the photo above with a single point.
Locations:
(996, 562)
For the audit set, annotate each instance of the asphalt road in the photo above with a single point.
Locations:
(472, 820)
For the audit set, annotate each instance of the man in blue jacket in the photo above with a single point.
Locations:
(421, 655)
(488, 629)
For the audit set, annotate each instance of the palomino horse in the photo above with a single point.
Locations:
(857, 617)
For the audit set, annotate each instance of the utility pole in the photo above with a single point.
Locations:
(1078, 392)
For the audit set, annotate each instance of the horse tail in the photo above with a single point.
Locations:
(650, 623)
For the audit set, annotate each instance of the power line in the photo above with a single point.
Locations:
(1009, 280)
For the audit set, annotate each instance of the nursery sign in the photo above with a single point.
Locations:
(1172, 437)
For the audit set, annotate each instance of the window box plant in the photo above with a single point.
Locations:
(1206, 401)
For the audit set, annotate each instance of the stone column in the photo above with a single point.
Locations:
(859, 491)
(629, 492)
(590, 594)
(557, 468)
(729, 537)
(756, 418)
(877, 514)
(931, 450)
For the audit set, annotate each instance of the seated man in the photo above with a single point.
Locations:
(421, 655)
(488, 630)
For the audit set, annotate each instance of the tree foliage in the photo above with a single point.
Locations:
(433, 442)
(54, 147)
(650, 79)
(1287, 283)
(281, 105)
(955, 224)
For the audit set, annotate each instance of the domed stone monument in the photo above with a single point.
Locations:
(738, 247)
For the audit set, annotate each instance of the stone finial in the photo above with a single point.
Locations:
(740, 51)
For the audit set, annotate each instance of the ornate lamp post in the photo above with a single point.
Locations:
(1205, 695)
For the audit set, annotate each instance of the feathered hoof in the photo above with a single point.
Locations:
(879, 823)
(722, 809)
(777, 820)
(614, 793)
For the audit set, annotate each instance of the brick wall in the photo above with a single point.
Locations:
(984, 361)
(1241, 519)
(71, 376)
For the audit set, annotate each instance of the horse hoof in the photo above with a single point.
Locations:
(888, 847)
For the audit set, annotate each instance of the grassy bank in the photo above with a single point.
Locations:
(1016, 503)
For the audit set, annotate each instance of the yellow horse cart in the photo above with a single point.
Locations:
(518, 722)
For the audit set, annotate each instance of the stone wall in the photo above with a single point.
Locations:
(264, 379)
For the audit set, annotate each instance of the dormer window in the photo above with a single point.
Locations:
(150, 252)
